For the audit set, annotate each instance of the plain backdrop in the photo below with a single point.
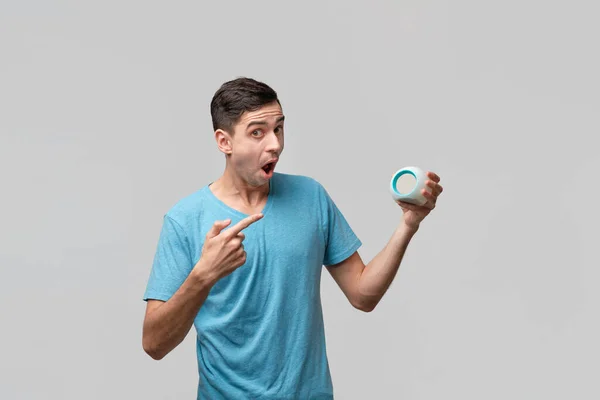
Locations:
(105, 124)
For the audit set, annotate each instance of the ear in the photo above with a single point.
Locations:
(224, 141)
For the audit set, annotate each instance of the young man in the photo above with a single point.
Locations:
(241, 260)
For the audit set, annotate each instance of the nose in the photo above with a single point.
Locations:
(274, 143)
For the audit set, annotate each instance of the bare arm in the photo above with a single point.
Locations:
(365, 285)
(166, 324)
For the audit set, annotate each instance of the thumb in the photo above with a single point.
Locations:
(218, 227)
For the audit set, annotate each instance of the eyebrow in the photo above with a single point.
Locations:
(280, 119)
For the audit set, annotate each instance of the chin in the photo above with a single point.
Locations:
(257, 182)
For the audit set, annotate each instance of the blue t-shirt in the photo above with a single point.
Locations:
(260, 332)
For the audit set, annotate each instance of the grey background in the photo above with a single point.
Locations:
(105, 124)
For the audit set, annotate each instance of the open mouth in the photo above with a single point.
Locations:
(268, 168)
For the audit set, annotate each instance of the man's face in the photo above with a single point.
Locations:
(257, 144)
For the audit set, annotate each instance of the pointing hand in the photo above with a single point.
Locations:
(223, 251)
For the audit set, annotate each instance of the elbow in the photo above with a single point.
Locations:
(365, 308)
(152, 350)
(365, 305)
(155, 355)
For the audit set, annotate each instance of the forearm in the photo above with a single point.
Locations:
(381, 271)
(167, 325)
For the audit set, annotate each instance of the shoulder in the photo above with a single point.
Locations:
(299, 183)
(303, 191)
(188, 208)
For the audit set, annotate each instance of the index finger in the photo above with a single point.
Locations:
(433, 176)
(243, 224)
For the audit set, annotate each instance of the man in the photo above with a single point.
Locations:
(241, 260)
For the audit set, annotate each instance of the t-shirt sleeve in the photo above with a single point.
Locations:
(340, 240)
(172, 263)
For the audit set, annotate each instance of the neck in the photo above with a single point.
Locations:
(231, 185)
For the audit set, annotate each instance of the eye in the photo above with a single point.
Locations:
(256, 133)
(279, 129)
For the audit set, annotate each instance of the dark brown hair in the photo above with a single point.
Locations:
(237, 96)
